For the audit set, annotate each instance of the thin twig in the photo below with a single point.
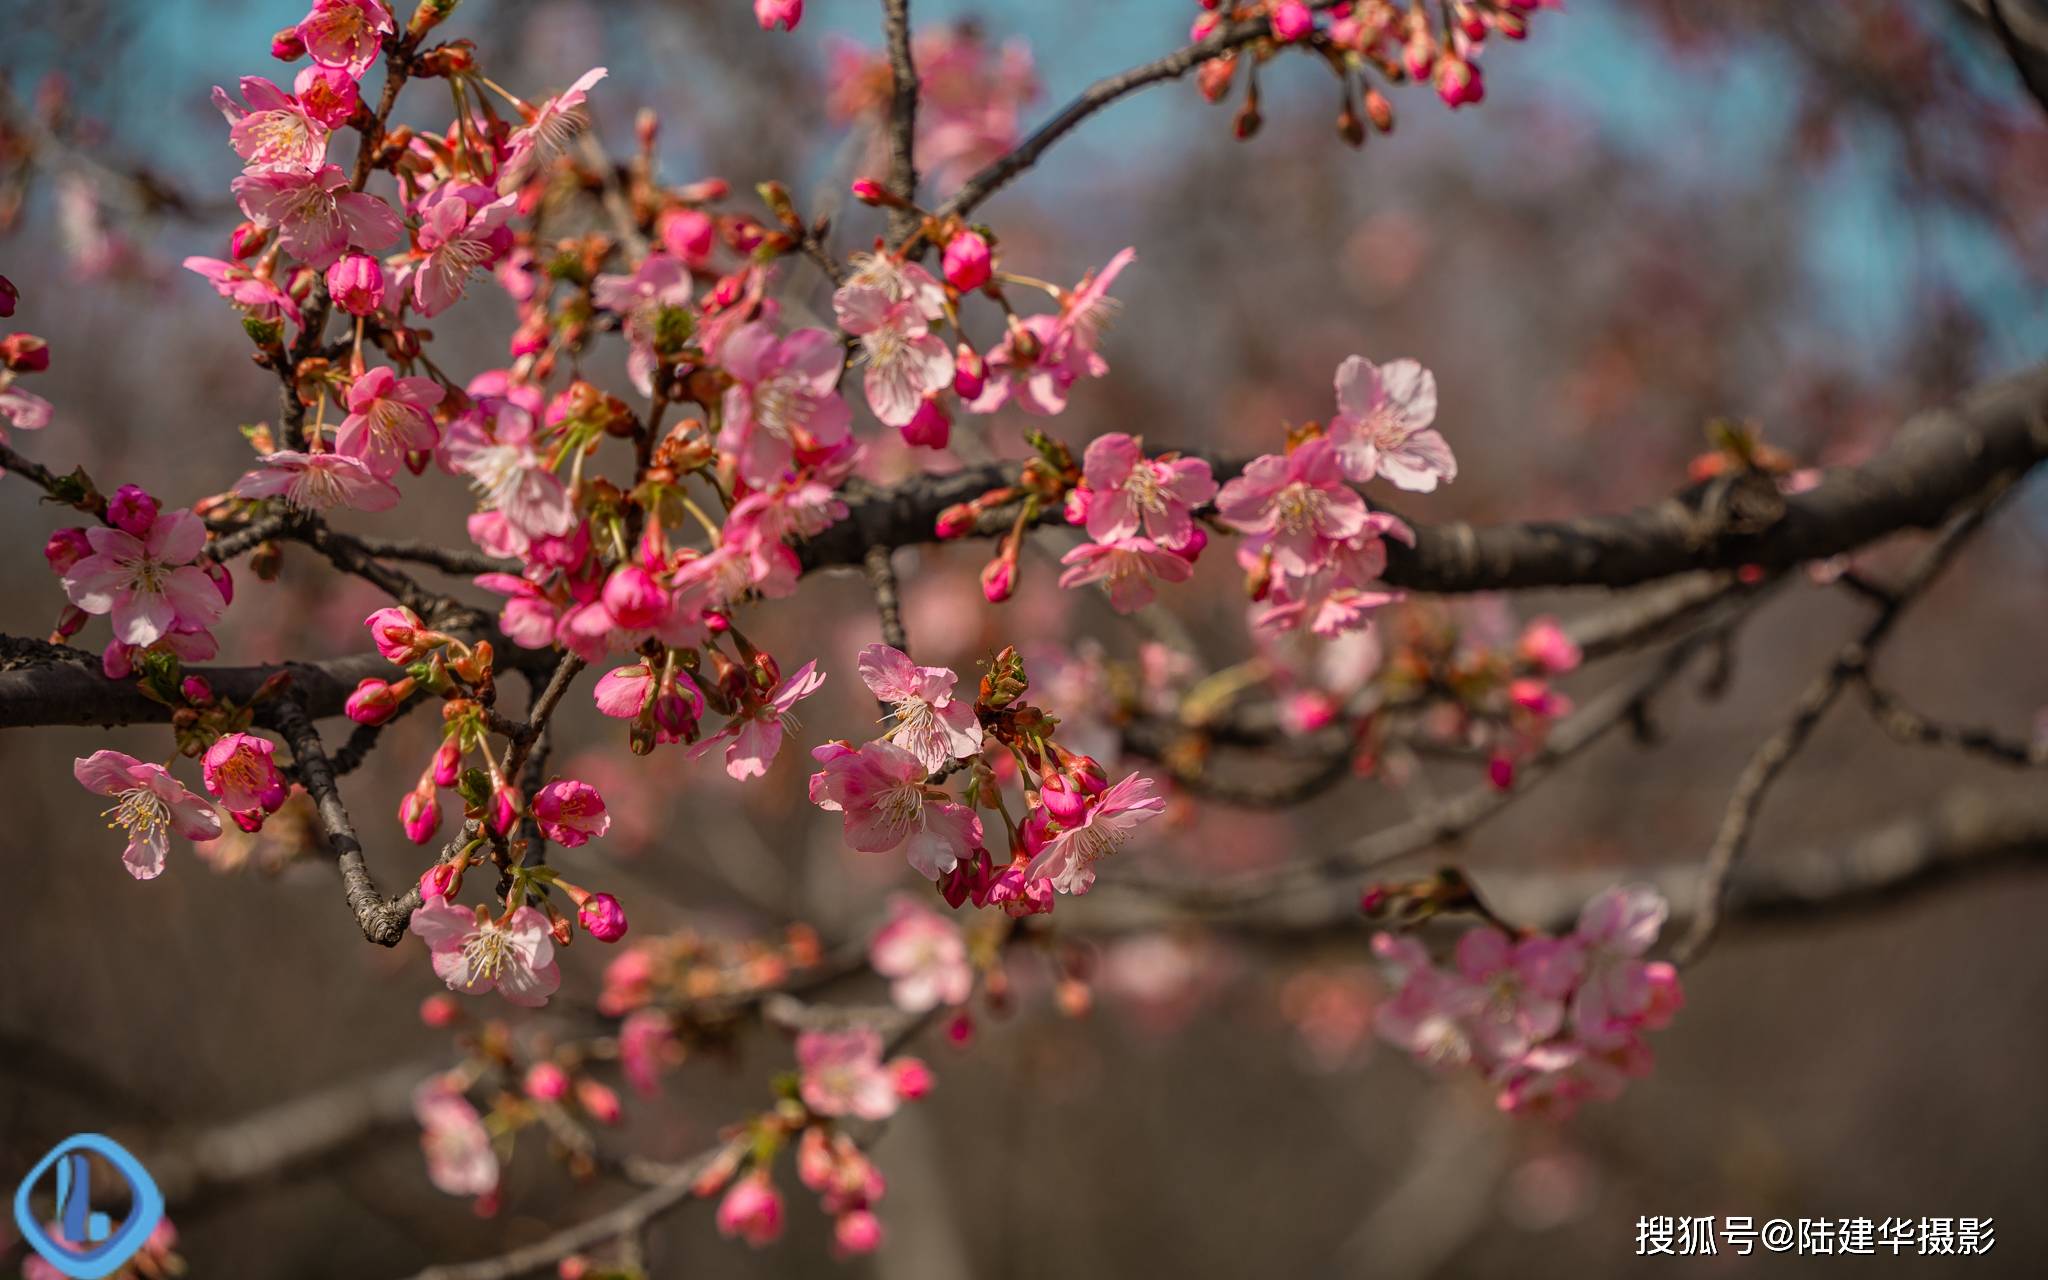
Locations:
(902, 120)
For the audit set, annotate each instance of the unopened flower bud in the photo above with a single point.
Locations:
(132, 510)
(286, 46)
(967, 261)
(602, 917)
(440, 1011)
(356, 283)
(546, 1082)
(598, 1102)
(24, 353)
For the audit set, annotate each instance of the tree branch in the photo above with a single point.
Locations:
(383, 920)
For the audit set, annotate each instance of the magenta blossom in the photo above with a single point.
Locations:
(881, 791)
(474, 953)
(784, 405)
(1128, 493)
(149, 585)
(345, 33)
(1069, 856)
(570, 812)
(462, 231)
(316, 216)
(356, 283)
(318, 482)
(841, 1074)
(388, 417)
(756, 729)
(931, 724)
(923, 955)
(1382, 425)
(149, 805)
(967, 261)
(1125, 568)
(241, 772)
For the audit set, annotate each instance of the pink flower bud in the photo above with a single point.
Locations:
(960, 1028)
(440, 1011)
(397, 633)
(783, 13)
(66, 547)
(970, 374)
(1192, 548)
(356, 283)
(223, 581)
(246, 241)
(420, 814)
(1500, 771)
(689, 234)
(504, 809)
(1458, 82)
(1065, 803)
(598, 1101)
(967, 261)
(447, 765)
(912, 1078)
(546, 1082)
(24, 353)
(602, 917)
(1291, 20)
(131, 510)
(9, 295)
(857, 1231)
(955, 521)
(635, 598)
(1545, 645)
(751, 1209)
(929, 427)
(374, 701)
(196, 690)
(868, 191)
(286, 46)
(71, 621)
(999, 579)
(439, 880)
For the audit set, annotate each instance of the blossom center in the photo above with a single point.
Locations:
(485, 952)
(143, 813)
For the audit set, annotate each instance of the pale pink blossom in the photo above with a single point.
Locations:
(149, 585)
(1523, 985)
(462, 231)
(923, 955)
(906, 362)
(881, 791)
(658, 284)
(1069, 856)
(756, 729)
(841, 1074)
(547, 130)
(570, 813)
(931, 724)
(494, 446)
(388, 417)
(275, 131)
(896, 279)
(316, 216)
(1126, 569)
(258, 295)
(149, 805)
(784, 406)
(1295, 507)
(474, 953)
(23, 409)
(460, 1158)
(345, 33)
(1127, 493)
(1615, 929)
(1431, 1017)
(318, 482)
(1382, 425)
(752, 1209)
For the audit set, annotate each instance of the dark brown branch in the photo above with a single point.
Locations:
(1909, 726)
(888, 598)
(383, 920)
(903, 93)
(1770, 760)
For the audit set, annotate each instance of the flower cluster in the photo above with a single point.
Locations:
(1548, 1022)
(146, 572)
(891, 795)
(970, 103)
(1494, 690)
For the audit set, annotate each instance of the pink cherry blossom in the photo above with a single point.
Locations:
(399, 635)
(1069, 856)
(462, 231)
(1126, 569)
(967, 261)
(345, 33)
(388, 417)
(841, 1074)
(258, 295)
(547, 130)
(1615, 929)
(756, 729)
(923, 955)
(494, 446)
(329, 95)
(149, 585)
(931, 724)
(460, 1158)
(887, 804)
(318, 482)
(474, 953)
(1382, 425)
(1546, 646)
(23, 409)
(1523, 985)
(1129, 493)
(314, 212)
(1431, 1018)
(783, 13)
(1297, 507)
(149, 805)
(659, 283)
(570, 812)
(240, 771)
(905, 360)
(784, 405)
(356, 283)
(275, 131)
